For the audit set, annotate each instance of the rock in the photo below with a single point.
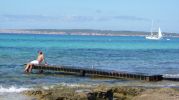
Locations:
(104, 93)
(81, 96)
(118, 95)
(158, 94)
(127, 90)
(101, 95)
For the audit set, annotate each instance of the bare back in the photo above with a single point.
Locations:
(40, 58)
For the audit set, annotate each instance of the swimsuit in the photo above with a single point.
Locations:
(35, 62)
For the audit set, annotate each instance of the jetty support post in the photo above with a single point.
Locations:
(82, 72)
(154, 78)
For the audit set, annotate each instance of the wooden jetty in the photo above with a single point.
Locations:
(98, 72)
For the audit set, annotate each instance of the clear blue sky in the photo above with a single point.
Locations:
(135, 15)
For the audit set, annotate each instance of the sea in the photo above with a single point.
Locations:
(117, 53)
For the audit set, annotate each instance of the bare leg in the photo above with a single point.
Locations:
(30, 67)
(27, 68)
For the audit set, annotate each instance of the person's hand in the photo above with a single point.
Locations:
(46, 63)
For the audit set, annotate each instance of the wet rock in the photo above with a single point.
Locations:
(81, 96)
(128, 90)
(102, 95)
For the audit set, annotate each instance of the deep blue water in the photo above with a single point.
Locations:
(131, 54)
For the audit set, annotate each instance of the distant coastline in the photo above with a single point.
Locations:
(90, 32)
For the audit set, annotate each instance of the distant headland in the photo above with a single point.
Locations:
(82, 32)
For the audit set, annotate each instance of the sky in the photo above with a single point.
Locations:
(130, 15)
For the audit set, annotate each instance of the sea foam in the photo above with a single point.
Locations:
(171, 75)
(12, 89)
(76, 85)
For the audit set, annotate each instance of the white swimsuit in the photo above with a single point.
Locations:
(35, 62)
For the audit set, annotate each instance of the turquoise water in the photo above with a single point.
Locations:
(131, 54)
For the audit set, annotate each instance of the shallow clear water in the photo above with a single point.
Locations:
(131, 54)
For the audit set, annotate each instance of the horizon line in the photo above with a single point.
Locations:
(78, 29)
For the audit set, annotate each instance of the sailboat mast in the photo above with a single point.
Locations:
(152, 28)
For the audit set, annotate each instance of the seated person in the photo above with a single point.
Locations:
(40, 59)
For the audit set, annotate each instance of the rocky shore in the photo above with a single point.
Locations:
(104, 93)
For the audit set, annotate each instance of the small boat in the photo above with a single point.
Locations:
(157, 36)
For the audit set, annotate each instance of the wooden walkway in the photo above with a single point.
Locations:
(97, 72)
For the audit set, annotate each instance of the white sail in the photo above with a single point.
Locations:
(159, 33)
(152, 29)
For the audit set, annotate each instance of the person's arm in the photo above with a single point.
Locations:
(44, 60)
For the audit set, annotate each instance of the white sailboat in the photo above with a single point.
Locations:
(158, 36)
(155, 37)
